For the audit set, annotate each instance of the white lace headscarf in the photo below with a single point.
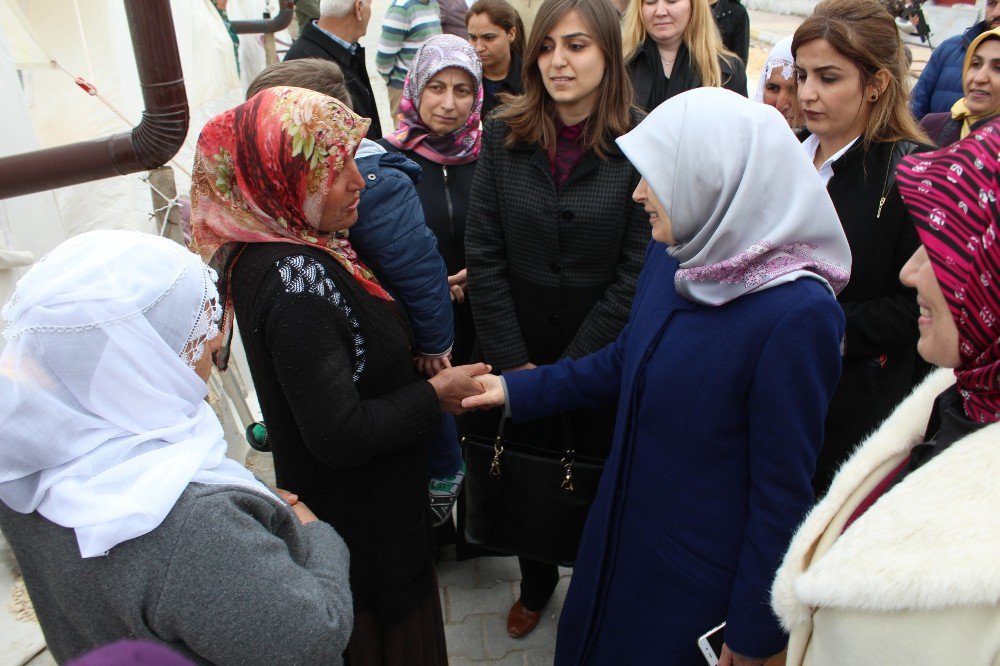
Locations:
(747, 217)
(105, 420)
(780, 58)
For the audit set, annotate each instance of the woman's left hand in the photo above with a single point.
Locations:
(457, 285)
(730, 658)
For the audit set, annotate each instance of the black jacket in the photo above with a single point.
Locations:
(444, 196)
(880, 360)
(312, 43)
(734, 23)
(509, 84)
(643, 71)
(347, 417)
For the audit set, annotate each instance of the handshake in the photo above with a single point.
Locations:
(466, 387)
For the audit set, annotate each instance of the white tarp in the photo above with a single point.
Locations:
(32, 223)
(21, 42)
(95, 45)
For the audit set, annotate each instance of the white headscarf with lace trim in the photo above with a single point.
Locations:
(746, 206)
(105, 420)
(780, 58)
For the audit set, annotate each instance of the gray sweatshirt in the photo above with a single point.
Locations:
(229, 577)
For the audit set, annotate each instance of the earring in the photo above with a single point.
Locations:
(873, 98)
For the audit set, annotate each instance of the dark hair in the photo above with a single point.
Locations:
(322, 76)
(866, 34)
(503, 14)
(531, 116)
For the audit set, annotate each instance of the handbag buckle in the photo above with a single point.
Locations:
(495, 465)
(567, 462)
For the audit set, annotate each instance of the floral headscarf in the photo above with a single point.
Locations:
(952, 196)
(262, 173)
(460, 146)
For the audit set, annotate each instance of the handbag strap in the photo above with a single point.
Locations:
(495, 470)
(567, 460)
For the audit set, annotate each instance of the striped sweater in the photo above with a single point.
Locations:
(406, 26)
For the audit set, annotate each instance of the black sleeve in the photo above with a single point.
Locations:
(736, 80)
(739, 39)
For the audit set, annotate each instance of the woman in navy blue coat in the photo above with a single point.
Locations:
(722, 379)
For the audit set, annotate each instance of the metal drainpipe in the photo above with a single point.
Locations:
(150, 144)
(266, 25)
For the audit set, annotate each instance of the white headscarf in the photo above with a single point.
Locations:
(781, 58)
(747, 208)
(105, 421)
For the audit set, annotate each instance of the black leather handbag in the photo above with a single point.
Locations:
(525, 500)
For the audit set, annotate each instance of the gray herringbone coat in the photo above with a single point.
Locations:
(551, 273)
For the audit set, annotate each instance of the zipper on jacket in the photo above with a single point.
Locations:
(447, 198)
(885, 184)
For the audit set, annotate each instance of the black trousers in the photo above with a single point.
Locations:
(538, 582)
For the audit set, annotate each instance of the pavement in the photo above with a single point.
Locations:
(476, 596)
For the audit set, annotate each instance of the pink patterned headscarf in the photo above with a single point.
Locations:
(952, 196)
(461, 146)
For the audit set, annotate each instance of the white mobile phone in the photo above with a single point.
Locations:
(710, 644)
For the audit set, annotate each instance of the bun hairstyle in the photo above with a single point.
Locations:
(866, 34)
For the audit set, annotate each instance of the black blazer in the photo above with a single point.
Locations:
(312, 43)
(880, 353)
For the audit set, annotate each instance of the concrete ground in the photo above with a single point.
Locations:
(476, 596)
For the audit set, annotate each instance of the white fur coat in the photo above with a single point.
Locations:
(929, 545)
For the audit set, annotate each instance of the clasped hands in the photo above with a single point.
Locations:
(465, 387)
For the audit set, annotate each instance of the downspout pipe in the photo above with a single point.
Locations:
(150, 144)
(266, 25)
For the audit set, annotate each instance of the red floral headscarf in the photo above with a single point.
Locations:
(952, 196)
(262, 173)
